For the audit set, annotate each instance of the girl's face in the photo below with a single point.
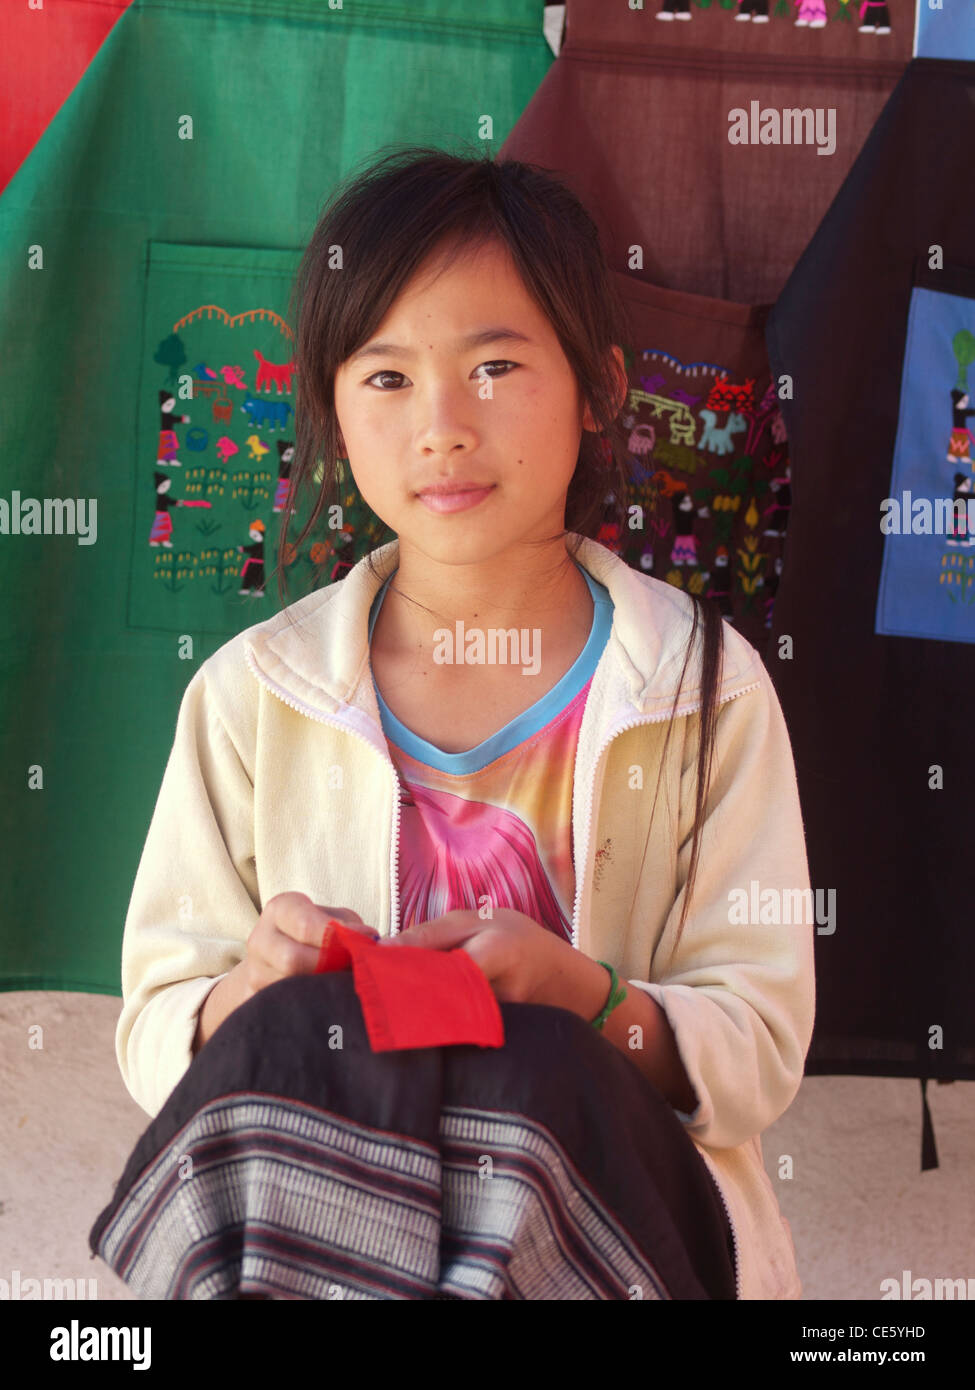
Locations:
(413, 410)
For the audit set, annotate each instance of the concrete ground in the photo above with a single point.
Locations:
(860, 1209)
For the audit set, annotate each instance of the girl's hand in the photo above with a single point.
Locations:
(516, 954)
(287, 938)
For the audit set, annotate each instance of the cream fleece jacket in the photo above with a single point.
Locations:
(279, 780)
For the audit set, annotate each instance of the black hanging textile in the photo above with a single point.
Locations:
(876, 328)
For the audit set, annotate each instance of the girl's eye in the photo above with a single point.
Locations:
(499, 364)
(370, 380)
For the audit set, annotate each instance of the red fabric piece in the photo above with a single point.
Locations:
(44, 55)
(414, 997)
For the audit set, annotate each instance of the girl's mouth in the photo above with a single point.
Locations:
(454, 501)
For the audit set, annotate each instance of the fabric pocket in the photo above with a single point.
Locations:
(215, 435)
(927, 579)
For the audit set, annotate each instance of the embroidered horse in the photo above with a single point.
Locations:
(280, 373)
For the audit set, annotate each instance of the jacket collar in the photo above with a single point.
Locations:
(316, 651)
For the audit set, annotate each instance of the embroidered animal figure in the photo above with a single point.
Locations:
(724, 396)
(653, 385)
(257, 449)
(226, 448)
(718, 439)
(682, 422)
(641, 440)
(234, 376)
(667, 484)
(280, 373)
(274, 413)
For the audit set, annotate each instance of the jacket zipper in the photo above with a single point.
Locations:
(587, 833)
(731, 1226)
(320, 718)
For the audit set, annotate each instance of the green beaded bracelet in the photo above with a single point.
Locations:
(617, 993)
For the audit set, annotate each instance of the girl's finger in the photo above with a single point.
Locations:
(345, 915)
(347, 918)
(442, 934)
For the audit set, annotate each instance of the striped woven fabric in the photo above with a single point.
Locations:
(360, 1175)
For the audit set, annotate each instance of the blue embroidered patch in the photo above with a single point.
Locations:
(927, 579)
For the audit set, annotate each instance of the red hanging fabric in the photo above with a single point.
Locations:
(414, 997)
(44, 55)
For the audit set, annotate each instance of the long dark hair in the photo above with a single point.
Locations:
(377, 229)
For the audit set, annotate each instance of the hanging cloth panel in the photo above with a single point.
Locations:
(139, 228)
(701, 234)
(636, 113)
(876, 326)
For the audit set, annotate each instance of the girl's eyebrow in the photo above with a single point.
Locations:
(479, 339)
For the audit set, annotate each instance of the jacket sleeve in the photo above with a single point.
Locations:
(739, 993)
(194, 902)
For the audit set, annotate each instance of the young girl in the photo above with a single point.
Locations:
(579, 815)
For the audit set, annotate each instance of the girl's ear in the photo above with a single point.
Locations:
(623, 383)
(623, 387)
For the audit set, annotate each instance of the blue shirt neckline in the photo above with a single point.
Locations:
(530, 721)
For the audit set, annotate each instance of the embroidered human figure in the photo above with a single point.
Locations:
(252, 573)
(162, 522)
(811, 13)
(684, 551)
(959, 533)
(778, 512)
(168, 442)
(282, 495)
(675, 9)
(959, 446)
(877, 15)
